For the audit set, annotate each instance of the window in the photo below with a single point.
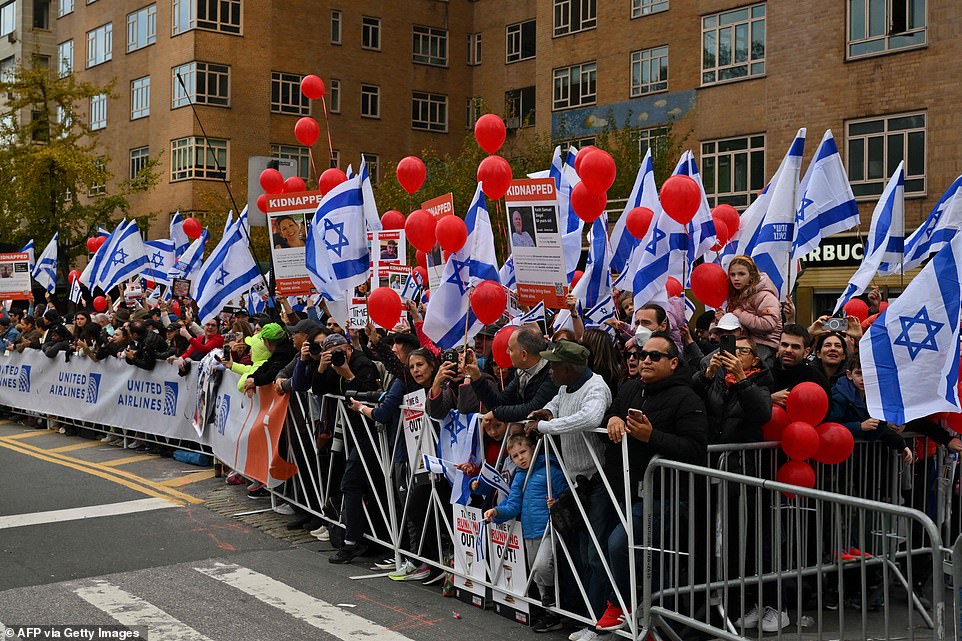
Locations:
(572, 16)
(334, 93)
(8, 67)
(519, 107)
(370, 101)
(206, 82)
(139, 158)
(649, 71)
(654, 138)
(140, 98)
(474, 49)
(877, 145)
(141, 28)
(98, 186)
(733, 170)
(335, 160)
(98, 111)
(733, 45)
(335, 27)
(373, 164)
(8, 18)
(429, 111)
(519, 41)
(371, 33)
(876, 26)
(196, 158)
(286, 96)
(430, 46)
(100, 43)
(183, 16)
(575, 86)
(64, 7)
(41, 14)
(472, 111)
(210, 15)
(39, 125)
(64, 120)
(645, 7)
(300, 155)
(65, 58)
(41, 62)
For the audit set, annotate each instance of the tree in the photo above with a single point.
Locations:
(53, 175)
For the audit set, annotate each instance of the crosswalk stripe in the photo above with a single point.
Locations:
(319, 614)
(89, 512)
(128, 609)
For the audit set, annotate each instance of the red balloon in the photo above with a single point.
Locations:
(100, 242)
(797, 473)
(420, 230)
(728, 215)
(722, 234)
(307, 131)
(882, 306)
(772, 430)
(192, 228)
(73, 275)
(835, 443)
(857, 308)
(330, 179)
(490, 132)
(499, 346)
(488, 301)
(100, 303)
(587, 204)
(411, 173)
(582, 154)
(92, 244)
(445, 255)
(452, 233)
(422, 272)
(709, 284)
(421, 259)
(598, 171)
(952, 420)
(494, 174)
(272, 181)
(294, 184)
(577, 277)
(673, 287)
(638, 221)
(312, 87)
(384, 307)
(808, 403)
(392, 219)
(262, 203)
(800, 441)
(175, 308)
(681, 198)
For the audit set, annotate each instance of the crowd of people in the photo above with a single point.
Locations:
(667, 387)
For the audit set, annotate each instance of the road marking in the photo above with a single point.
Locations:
(77, 446)
(128, 610)
(3, 634)
(30, 434)
(90, 512)
(130, 459)
(320, 614)
(187, 479)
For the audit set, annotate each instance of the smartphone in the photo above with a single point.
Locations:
(834, 324)
(635, 414)
(727, 343)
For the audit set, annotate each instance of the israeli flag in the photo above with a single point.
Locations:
(191, 260)
(253, 302)
(126, 257)
(434, 465)
(885, 237)
(644, 193)
(45, 271)
(411, 289)
(177, 234)
(936, 232)
(595, 317)
(701, 230)
(226, 274)
(661, 253)
(449, 310)
(457, 444)
(506, 273)
(595, 283)
(910, 354)
(491, 476)
(75, 293)
(160, 257)
(534, 315)
(371, 215)
(229, 222)
(826, 204)
(88, 275)
(338, 255)
(28, 249)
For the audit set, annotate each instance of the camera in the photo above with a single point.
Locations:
(364, 397)
(315, 349)
(451, 356)
(338, 357)
(835, 324)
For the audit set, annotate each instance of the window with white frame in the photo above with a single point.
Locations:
(474, 49)
(429, 111)
(286, 96)
(98, 186)
(335, 27)
(64, 120)
(520, 41)
(209, 15)
(572, 16)
(100, 43)
(141, 28)
(472, 111)
(430, 46)
(519, 107)
(65, 58)
(877, 145)
(654, 138)
(877, 26)
(195, 157)
(139, 158)
(370, 33)
(370, 101)
(64, 7)
(183, 16)
(649, 71)
(8, 18)
(207, 84)
(575, 86)
(140, 98)
(334, 96)
(733, 170)
(733, 45)
(373, 165)
(646, 7)
(300, 155)
(98, 111)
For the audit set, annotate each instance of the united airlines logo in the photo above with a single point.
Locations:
(170, 398)
(73, 385)
(15, 377)
(160, 398)
(223, 413)
(93, 388)
(24, 379)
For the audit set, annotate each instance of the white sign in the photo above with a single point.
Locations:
(15, 276)
(412, 421)
(536, 247)
(357, 313)
(470, 546)
(509, 566)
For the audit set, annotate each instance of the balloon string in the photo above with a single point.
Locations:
(310, 156)
(327, 124)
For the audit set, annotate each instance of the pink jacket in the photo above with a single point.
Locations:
(761, 315)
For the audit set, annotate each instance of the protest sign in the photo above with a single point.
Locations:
(539, 261)
(287, 218)
(509, 569)
(15, 276)
(469, 554)
(413, 420)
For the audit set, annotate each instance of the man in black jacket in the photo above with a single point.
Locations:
(146, 348)
(791, 368)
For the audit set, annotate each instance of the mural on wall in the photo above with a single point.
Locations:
(650, 111)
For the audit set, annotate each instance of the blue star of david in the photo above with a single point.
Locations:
(800, 214)
(657, 236)
(932, 329)
(157, 260)
(455, 278)
(119, 257)
(455, 427)
(340, 242)
(933, 223)
(221, 276)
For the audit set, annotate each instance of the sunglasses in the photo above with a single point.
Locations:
(641, 355)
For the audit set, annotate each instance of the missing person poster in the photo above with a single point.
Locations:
(287, 219)
(15, 276)
(412, 420)
(393, 276)
(509, 569)
(470, 544)
(539, 261)
(439, 208)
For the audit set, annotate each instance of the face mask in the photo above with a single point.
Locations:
(482, 361)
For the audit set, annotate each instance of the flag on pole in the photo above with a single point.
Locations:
(491, 476)
(885, 237)
(535, 314)
(160, 260)
(936, 232)
(45, 271)
(126, 257)
(701, 229)
(411, 288)
(88, 276)
(644, 193)
(226, 274)
(191, 260)
(910, 354)
(75, 294)
(457, 443)
(177, 234)
(595, 283)
(506, 273)
(28, 249)
(371, 215)
(337, 254)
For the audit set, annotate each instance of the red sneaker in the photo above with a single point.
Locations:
(612, 619)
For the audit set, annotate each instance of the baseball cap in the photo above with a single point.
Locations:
(272, 332)
(333, 341)
(728, 323)
(305, 326)
(567, 352)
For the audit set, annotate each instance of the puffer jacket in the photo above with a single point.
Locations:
(530, 502)
(850, 409)
(736, 413)
(760, 314)
(259, 356)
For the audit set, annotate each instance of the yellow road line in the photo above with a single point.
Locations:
(30, 434)
(86, 445)
(187, 479)
(129, 459)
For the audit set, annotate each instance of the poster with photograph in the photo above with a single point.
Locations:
(388, 247)
(413, 420)
(15, 276)
(439, 208)
(509, 569)
(535, 233)
(287, 218)
(470, 545)
(180, 288)
(393, 276)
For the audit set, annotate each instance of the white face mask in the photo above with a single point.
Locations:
(642, 334)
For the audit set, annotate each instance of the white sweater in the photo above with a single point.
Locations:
(575, 413)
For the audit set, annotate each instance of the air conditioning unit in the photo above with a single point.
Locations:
(513, 123)
(12, 37)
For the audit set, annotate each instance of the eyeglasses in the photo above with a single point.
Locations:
(641, 355)
(745, 350)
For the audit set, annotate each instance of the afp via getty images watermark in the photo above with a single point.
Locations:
(81, 632)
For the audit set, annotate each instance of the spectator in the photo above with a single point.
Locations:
(80, 321)
(9, 334)
(30, 336)
(754, 300)
(116, 346)
(57, 340)
(791, 366)
(303, 332)
(831, 355)
(146, 347)
(603, 358)
(104, 322)
(200, 346)
(281, 349)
